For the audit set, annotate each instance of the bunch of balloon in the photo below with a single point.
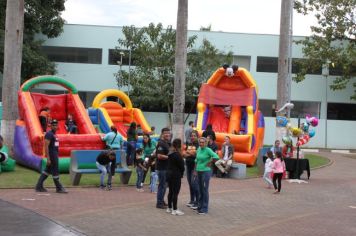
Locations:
(307, 132)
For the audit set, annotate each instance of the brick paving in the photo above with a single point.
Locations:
(326, 205)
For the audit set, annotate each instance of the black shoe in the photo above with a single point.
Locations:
(62, 190)
(41, 190)
(109, 187)
(161, 206)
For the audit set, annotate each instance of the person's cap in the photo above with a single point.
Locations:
(54, 122)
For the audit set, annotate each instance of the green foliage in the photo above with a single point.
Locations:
(332, 42)
(40, 17)
(151, 79)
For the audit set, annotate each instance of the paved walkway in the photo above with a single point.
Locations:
(324, 206)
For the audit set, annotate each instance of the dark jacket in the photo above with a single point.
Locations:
(103, 159)
(175, 166)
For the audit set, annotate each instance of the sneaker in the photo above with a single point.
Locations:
(194, 207)
(141, 184)
(102, 187)
(62, 190)
(169, 210)
(201, 213)
(109, 187)
(189, 204)
(177, 212)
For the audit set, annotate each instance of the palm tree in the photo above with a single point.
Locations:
(180, 68)
(12, 67)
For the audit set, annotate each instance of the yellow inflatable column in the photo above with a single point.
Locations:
(235, 120)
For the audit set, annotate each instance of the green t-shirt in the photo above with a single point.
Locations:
(149, 149)
(204, 157)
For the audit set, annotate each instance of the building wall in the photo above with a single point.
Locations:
(97, 77)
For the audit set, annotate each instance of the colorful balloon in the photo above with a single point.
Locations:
(311, 133)
(296, 132)
(282, 121)
(287, 140)
(314, 122)
(303, 140)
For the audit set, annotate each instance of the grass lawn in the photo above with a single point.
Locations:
(23, 177)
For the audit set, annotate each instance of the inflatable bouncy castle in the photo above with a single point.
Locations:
(105, 114)
(229, 102)
(29, 136)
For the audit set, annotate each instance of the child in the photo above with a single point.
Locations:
(45, 118)
(71, 126)
(268, 169)
(140, 169)
(278, 168)
(154, 176)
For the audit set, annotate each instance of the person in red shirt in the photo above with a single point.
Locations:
(288, 150)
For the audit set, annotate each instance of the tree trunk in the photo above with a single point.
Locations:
(180, 68)
(284, 79)
(12, 68)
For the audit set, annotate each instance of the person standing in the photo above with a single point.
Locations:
(190, 155)
(45, 118)
(149, 146)
(162, 151)
(106, 163)
(288, 150)
(209, 131)
(113, 139)
(276, 147)
(227, 151)
(51, 151)
(202, 168)
(188, 131)
(131, 135)
(213, 146)
(268, 169)
(175, 171)
(278, 168)
(140, 169)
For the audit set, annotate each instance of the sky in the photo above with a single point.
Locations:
(241, 16)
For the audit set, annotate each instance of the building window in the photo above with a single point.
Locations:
(341, 111)
(242, 61)
(301, 109)
(267, 64)
(73, 54)
(267, 107)
(115, 57)
(315, 69)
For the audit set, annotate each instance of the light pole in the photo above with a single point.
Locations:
(120, 65)
(325, 73)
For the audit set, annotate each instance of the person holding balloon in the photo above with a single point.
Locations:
(288, 150)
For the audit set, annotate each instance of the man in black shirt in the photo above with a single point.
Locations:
(162, 151)
(106, 163)
(51, 151)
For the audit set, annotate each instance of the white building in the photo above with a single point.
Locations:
(83, 54)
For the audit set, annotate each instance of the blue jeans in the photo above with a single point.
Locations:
(139, 172)
(161, 186)
(153, 185)
(203, 181)
(104, 170)
(193, 184)
(130, 152)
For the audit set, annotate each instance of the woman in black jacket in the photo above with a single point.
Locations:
(175, 171)
(209, 131)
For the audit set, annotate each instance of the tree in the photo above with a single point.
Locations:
(12, 67)
(44, 18)
(332, 42)
(180, 69)
(150, 81)
(23, 21)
